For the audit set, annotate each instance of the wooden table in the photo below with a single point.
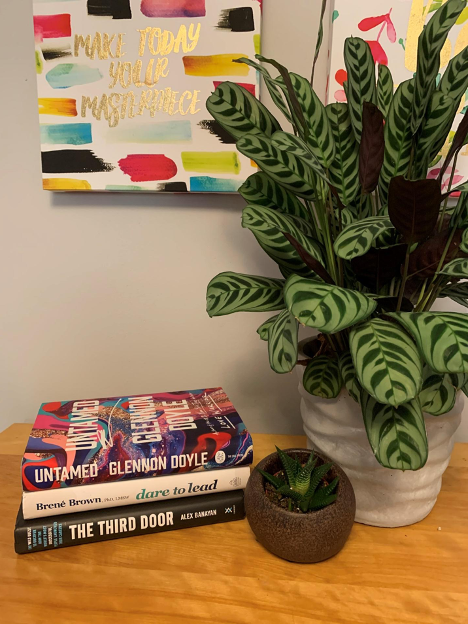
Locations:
(220, 575)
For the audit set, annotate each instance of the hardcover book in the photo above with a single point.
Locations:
(106, 524)
(101, 441)
(122, 88)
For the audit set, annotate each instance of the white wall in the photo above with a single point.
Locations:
(104, 294)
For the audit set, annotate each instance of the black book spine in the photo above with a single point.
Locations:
(113, 523)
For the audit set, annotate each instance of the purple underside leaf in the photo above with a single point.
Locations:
(425, 258)
(313, 264)
(457, 144)
(390, 304)
(413, 207)
(379, 266)
(371, 151)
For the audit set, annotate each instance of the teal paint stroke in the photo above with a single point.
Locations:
(66, 134)
(165, 132)
(66, 75)
(206, 184)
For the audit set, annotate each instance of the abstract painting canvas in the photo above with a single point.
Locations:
(392, 28)
(122, 86)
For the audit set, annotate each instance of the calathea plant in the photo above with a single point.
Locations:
(364, 239)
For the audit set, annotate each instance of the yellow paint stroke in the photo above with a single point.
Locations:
(211, 162)
(39, 64)
(216, 65)
(65, 184)
(258, 44)
(65, 107)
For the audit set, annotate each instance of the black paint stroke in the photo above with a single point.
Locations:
(173, 187)
(50, 54)
(237, 20)
(117, 9)
(73, 161)
(217, 130)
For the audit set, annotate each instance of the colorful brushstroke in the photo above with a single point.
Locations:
(172, 187)
(54, 53)
(67, 75)
(39, 64)
(173, 8)
(122, 188)
(215, 65)
(163, 132)
(117, 9)
(206, 184)
(66, 134)
(211, 162)
(215, 129)
(51, 26)
(65, 184)
(73, 161)
(64, 107)
(148, 167)
(240, 19)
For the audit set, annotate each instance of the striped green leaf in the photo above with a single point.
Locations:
(322, 377)
(457, 268)
(442, 338)
(282, 343)
(325, 307)
(430, 44)
(387, 362)
(265, 327)
(235, 292)
(397, 435)
(460, 215)
(458, 380)
(319, 137)
(439, 118)
(284, 168)
(356, 239)
(398, 137)
(287, 142)
(437, 394)
(454, 82)
(464, 242)
(348, 374)
(457, 293)
(384, 89)
(268, 226)
(361, 80)
(261, 190)
(344, 170)
(240, 113)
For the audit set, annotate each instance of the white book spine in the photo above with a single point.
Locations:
(131, 491)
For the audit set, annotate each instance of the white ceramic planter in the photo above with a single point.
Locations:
(385, 498)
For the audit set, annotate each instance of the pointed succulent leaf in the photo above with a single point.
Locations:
(276, 482)
(316, 478)
(235, 292)
(282, 167)
(396, 435)
(261, 190)
(285, 490)
(322, 377)
(343, 171)
(430, 44)
(384, 89)
(290, 466)
(437, 394)
(371, 151)
(304, 475)
(326, 307)
(282, 343)
(442, 338)
(361, 80)
(265, 327)
(387, 361)
(356, 239)
(331, 487)
(240, 113)
(349, 376)
(320, 502)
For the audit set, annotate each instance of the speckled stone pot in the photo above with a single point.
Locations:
(302, 538)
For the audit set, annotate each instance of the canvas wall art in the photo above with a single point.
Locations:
(122, 86)
(392, 28)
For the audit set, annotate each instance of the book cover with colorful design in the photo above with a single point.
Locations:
(95, 441)
(122, 88)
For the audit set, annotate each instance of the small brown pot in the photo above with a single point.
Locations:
(302, 538)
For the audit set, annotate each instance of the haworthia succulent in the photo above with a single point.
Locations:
(348, 374)
(235, 292)
(454, 82)
(268, 226)
(240, 113)
(325, 307)
(261, 190)
(398, 137)
(442, 338)
(397, 435)
(430, 44)
(361, 80)
(384, 89)
(437, 394)
(356, 239)
(344, 169)
(457, 268)
(322, 377)
(281, 166)
(282, 343)
(265, 327)
(387, 361)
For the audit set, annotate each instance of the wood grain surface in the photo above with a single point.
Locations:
(220, 575)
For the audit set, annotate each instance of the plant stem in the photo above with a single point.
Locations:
(441, 220)
(374, 204)
(404, 278)
(360, 205)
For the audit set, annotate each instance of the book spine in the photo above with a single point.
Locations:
(106, 524)
(134, 491)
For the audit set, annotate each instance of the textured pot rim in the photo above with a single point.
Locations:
(304, 517)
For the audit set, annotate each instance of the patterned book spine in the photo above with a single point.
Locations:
(107, 524)
(61, 501)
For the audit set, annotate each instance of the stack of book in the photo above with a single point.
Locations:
(101, 469)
